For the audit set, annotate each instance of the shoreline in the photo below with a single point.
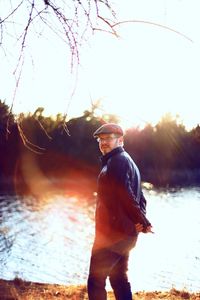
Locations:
(18, 289)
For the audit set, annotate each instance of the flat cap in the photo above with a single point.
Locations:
(109, 128)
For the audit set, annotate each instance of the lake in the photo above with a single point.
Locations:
(49, 240)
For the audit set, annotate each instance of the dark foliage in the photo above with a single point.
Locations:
(38, 147)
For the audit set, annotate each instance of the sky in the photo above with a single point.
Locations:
(152, 68)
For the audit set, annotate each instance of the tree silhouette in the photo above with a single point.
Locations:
(167, 154)
(8, 147)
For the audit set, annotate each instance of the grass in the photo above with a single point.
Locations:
(18, 289)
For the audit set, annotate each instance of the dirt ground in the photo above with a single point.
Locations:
(21, 290)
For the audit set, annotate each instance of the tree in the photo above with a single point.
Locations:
(70, 21)
(8, 147)
(22, 22)
(5, 115)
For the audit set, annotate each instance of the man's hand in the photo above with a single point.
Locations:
(149, 229)
(139, 228)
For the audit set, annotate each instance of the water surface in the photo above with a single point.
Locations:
(49, 240)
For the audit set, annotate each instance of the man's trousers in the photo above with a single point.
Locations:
(110, 262)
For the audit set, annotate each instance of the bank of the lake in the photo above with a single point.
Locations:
(21, 290)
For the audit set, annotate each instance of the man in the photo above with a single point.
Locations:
(119, 218)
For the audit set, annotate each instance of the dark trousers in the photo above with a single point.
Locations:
(110, 262)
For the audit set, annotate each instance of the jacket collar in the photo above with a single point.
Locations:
(104, 158)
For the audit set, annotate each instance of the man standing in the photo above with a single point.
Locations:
(119, 217)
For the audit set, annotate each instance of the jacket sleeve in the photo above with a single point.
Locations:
(123, 180)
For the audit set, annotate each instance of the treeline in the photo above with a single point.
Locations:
(36, 150)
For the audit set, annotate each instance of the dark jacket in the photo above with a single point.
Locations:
(120, 201)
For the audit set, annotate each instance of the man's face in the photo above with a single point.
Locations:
(108, 142)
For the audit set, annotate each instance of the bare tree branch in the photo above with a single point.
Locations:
(115, 33)
(12, 13)
(108, 23)
(70, 21)
(152, 23)
(27, 26)
(67, 28)
(44, 130)
(72, 25)
(34, 148)
(1, 29)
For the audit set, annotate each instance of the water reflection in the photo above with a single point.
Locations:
(49, 240)
(170, 257)
(42, 241)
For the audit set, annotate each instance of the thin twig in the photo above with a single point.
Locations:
(67, 28)
(19, 63)
(25, 32)
(42, 127)
(12, 12)
(27, 143)
(109, 25)
(151, 23)
(1, 39)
